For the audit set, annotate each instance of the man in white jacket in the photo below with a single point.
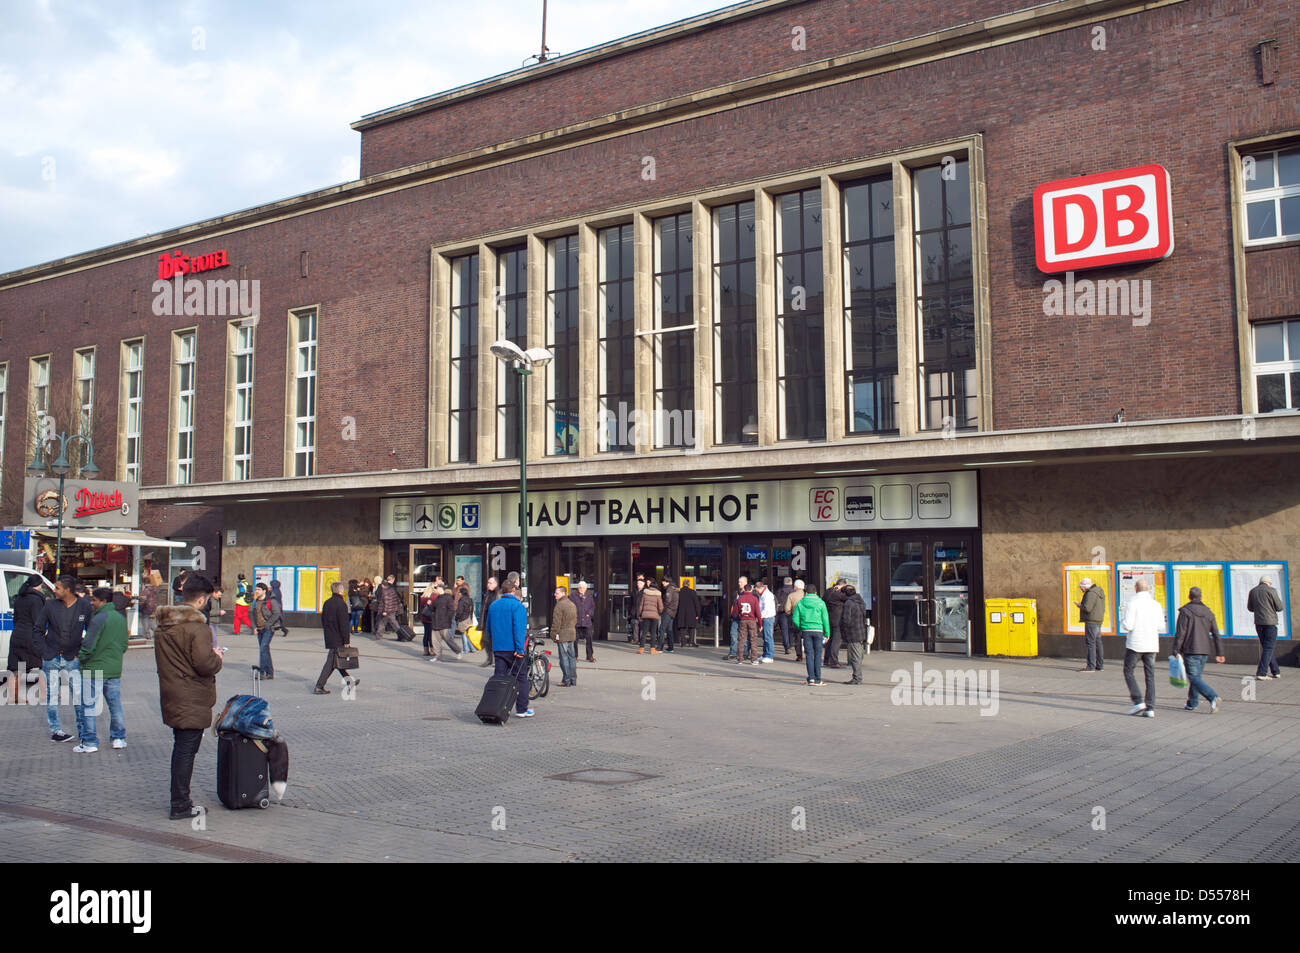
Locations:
(1142, 623)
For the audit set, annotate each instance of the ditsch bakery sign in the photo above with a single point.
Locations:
(101, 504)
(1109, 218)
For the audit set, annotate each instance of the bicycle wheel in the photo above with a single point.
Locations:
(539, 679)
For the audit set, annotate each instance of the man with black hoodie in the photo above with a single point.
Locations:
(57, 636)
(834, 600)
(1197, 631)
(23, 656)
(853, 629)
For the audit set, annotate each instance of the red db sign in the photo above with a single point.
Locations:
(1104, 219)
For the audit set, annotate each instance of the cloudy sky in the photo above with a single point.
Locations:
(122, 118)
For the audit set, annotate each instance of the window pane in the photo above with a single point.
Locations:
(1295, 390)
(1288, 167)
(929, 208)
(302, 408)
(1270, 392)
(1268, 343)
(1260, 219)
(957, 195)
(1293, 340)
(1291, 215)
(1263, 173)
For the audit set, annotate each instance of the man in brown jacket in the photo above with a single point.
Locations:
(187, 683)
(649, 611)
(564, 630)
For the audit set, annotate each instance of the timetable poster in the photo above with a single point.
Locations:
(1156, 576)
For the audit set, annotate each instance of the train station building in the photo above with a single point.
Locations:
(958, 301)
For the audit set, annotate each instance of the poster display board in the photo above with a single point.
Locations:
(685, 582)
(1156, 575)
(304, 599)
(1102, 575)
(262, 574)
(287, 576)
(1243, 577)
(471, 567)
(1211, 577)
(326, 576)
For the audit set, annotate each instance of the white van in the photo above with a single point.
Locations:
(14, 577)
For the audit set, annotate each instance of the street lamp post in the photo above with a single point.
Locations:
(522, 362)
(61, 467)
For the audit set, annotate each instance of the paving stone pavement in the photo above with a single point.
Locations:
(682, 757)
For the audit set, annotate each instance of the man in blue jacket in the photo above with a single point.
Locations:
(506, 624)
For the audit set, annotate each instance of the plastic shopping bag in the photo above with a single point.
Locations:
(1177, 672)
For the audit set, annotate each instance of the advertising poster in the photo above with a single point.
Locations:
(262, 574)
(562, 582)
(1244, 577)
(1156, 575)
(1101, 574)
(471, 567)
(685, 582)
(1210, 577)
(326, 576)
(854, 570)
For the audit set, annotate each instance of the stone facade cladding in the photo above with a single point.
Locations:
(1175, 84)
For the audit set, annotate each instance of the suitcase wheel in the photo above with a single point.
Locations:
(264, 803)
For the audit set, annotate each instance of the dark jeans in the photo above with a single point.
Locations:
(506, 663)
(1148, 669)
(833, 647)
(633, 630)
(1092, 639)
(356, 620)
(856, 651)
(584, 632)
(665, 632)
(568, 661)
(428, 636)
(783, 621)
(331, 663)
(264, 637)
(185, 745)
(647, 629)
(1267, 641)
(812, 647)
(1195, 684)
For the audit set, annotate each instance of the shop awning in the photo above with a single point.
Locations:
(123, 537)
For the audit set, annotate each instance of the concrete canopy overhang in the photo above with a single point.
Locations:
(1236, 435)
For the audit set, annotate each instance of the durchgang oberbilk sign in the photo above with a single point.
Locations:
(101, 504)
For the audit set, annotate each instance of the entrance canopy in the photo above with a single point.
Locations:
(123, 537)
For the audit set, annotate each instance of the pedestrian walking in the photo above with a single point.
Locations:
(650, 607)
(507, 621)
(178, 586)
(101, 670)
(387, 605)
(668, 618)
(1196, 634)
(634, 611)
(279, 600)
(336, 620)
(57, 636)
(444, 620)
(356, 605)
(834, 600)
(490, 595)
(241, 618)
(854, 619)
(813, 623)
(749, 612)
(426, 613)
(767, 618)
(796, 593)
(741, 583)
(150, 594)
(212, 608)
(688, 616)
(464, 614)
(1092, 613)
(24, 662)
(266, 613)
(585, 626)
(187, 684)
(1141, 622)
(1264, 603)
(366, 589)
(564, 630)
(782, 615)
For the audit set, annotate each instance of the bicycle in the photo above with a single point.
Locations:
(539, 664)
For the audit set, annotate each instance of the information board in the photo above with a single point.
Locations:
(1156, 576)
(1244, 577)
(1211, 579)
(326, 576)
(1101, 574)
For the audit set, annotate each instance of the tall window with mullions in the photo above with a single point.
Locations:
(512, 324)
(800, 317)
(562, 340)
(616, 338)
(464, 360)
(870, 307)
(945, 289)
(674, 344)
(735, 327)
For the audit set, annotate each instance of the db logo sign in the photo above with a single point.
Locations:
(824, 504)
(1105, 219)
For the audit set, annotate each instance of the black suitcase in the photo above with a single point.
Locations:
(243, 772)
(404, 633)
(499, 697)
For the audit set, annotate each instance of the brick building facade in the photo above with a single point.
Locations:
(743, 109)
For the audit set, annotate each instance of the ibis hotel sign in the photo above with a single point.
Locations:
(1110, 218)
(101, 504)
(844, 504)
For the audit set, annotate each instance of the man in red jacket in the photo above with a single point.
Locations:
(748, 613)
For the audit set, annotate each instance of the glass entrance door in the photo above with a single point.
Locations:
(929, 592)
(426, 564)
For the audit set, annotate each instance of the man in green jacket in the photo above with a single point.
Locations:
(813, 623)
(101, 669)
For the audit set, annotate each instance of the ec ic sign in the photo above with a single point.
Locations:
(1105, 219)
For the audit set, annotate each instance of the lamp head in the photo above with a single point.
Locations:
(507, 350)
(538, 356)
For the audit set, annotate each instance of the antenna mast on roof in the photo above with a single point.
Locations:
(542, 56)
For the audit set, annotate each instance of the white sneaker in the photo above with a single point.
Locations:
(1149, 713)
(755, 662)
(1138, 708)
(119, 742)
(768, 661)
(457, 656)
(84, 748)
(526, 714)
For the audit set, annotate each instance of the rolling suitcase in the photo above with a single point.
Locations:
(243, 771)
(499, 697)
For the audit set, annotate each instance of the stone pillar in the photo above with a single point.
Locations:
(702, 243)
(538, 444)
(765, 298)
(439, 359)
(905, 279)
(589, 380)
(833, 302)
(489, 321)
(644, 319)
